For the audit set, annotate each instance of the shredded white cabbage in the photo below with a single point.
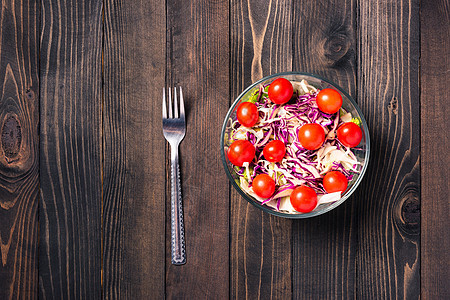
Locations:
(292, 166)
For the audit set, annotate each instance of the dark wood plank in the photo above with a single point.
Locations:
(324, 247)
(70, 150)
(198, 60)
(435, 162)
(134, 149)
(388, 213)
(19, 148)
(261, 44)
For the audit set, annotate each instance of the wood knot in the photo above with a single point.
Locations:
(336, 47)
(393, 105)
(30, 94)
(411, 211)
(408, 212)
(11, 138)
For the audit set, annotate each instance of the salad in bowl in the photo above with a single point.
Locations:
(295, 145)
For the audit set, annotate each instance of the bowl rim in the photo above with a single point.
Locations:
(265, 208)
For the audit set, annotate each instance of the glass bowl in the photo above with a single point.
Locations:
(362, 152)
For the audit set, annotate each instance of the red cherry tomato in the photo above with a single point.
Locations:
(263, 185)
(303, 199)
(311, 136)
(349, 134)
(280, 91)
(274, 151)
(241, 151)
(329, 101)
(335, 181)
(247, 114)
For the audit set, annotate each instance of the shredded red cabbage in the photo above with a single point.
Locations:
(282, 122)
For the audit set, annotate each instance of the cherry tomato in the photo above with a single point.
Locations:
(247, 114)
(303, 199)
(263, 185)
(349, 134)
(335, 181)
(241, 151)
(280, 91)
(329, 101)
(311, 136)
(274, 151)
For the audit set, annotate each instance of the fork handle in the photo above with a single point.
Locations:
(177, 237)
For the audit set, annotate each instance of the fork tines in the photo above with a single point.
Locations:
(173, 112)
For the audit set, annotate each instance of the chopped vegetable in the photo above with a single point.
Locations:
(283, 154)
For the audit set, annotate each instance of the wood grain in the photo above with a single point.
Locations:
(324, 247)
(70, 150)
(91, 134)
(435, 209)
(133, 165)
(19, 149)
(388, 213)
(197, 60)
(260, 44)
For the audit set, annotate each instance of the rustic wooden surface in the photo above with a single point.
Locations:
(435, 209)
(133, 191)
(260, 254)
(388, 210)
(197, 60)
(19, 149)
(80, 115)
(70, 149)
(325, 247)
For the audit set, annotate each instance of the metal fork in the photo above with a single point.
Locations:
(174, 129)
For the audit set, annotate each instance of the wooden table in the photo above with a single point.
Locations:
(84, 165)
